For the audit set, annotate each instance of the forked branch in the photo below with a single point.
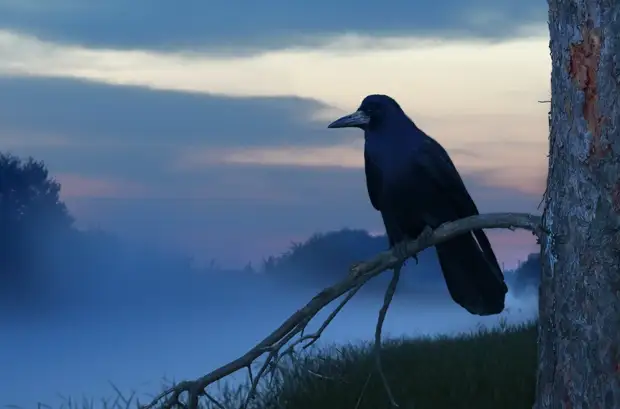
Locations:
(359, 275)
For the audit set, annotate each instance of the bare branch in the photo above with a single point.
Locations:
(315, 337)
(271, 361)
(389, 294)
(359, 275)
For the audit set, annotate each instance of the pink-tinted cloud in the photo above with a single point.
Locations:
(77, 186)
(491, 164)
(330, 156)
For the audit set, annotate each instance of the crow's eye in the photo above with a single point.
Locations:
(370, 109)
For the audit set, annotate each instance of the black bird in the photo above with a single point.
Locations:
(412, 181)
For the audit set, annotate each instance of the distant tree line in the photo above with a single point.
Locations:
(326, 256)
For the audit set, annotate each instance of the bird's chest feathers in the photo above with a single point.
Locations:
(395, 162)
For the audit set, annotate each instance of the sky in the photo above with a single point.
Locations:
(201, 126)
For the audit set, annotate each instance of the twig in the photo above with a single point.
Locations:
(273, 356)
(389, 294)
(359, 398)
(315, 337)
(274, 359)
(359, 275)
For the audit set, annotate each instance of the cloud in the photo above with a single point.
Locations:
(154, 134)
(345, 156)
(246, 25)
(108, 117)
(78, 186)
(425, 76)
(528, 177)
(488, 163)
(270, 108)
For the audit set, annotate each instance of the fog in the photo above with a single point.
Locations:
(135, 330)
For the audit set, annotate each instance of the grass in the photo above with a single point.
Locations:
(486, 369)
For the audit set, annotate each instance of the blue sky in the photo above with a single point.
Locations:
(202, 125)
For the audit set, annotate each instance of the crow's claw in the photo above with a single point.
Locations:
(426, 234)
(400, 251)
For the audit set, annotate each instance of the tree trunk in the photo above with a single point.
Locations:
(579, 329)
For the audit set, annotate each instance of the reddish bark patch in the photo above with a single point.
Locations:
(583, 68)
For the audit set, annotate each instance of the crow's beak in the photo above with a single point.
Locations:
(357, 119)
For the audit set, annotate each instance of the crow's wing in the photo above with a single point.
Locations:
(434, 162)
(373, 181)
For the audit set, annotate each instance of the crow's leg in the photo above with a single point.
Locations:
(400, 248)
(401, 253)
(425, 236)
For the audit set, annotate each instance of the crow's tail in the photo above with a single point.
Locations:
(472, 273)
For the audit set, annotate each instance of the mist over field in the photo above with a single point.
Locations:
(133, 326)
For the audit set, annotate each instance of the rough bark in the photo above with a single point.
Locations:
(579, 330)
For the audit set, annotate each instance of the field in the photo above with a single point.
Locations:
(486, 369)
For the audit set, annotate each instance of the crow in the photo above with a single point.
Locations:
(412, 181)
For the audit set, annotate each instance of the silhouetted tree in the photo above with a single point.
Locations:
(31, 213)
(326, 257)
(326, 253)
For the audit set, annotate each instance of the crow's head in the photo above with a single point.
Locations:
(374, 111)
